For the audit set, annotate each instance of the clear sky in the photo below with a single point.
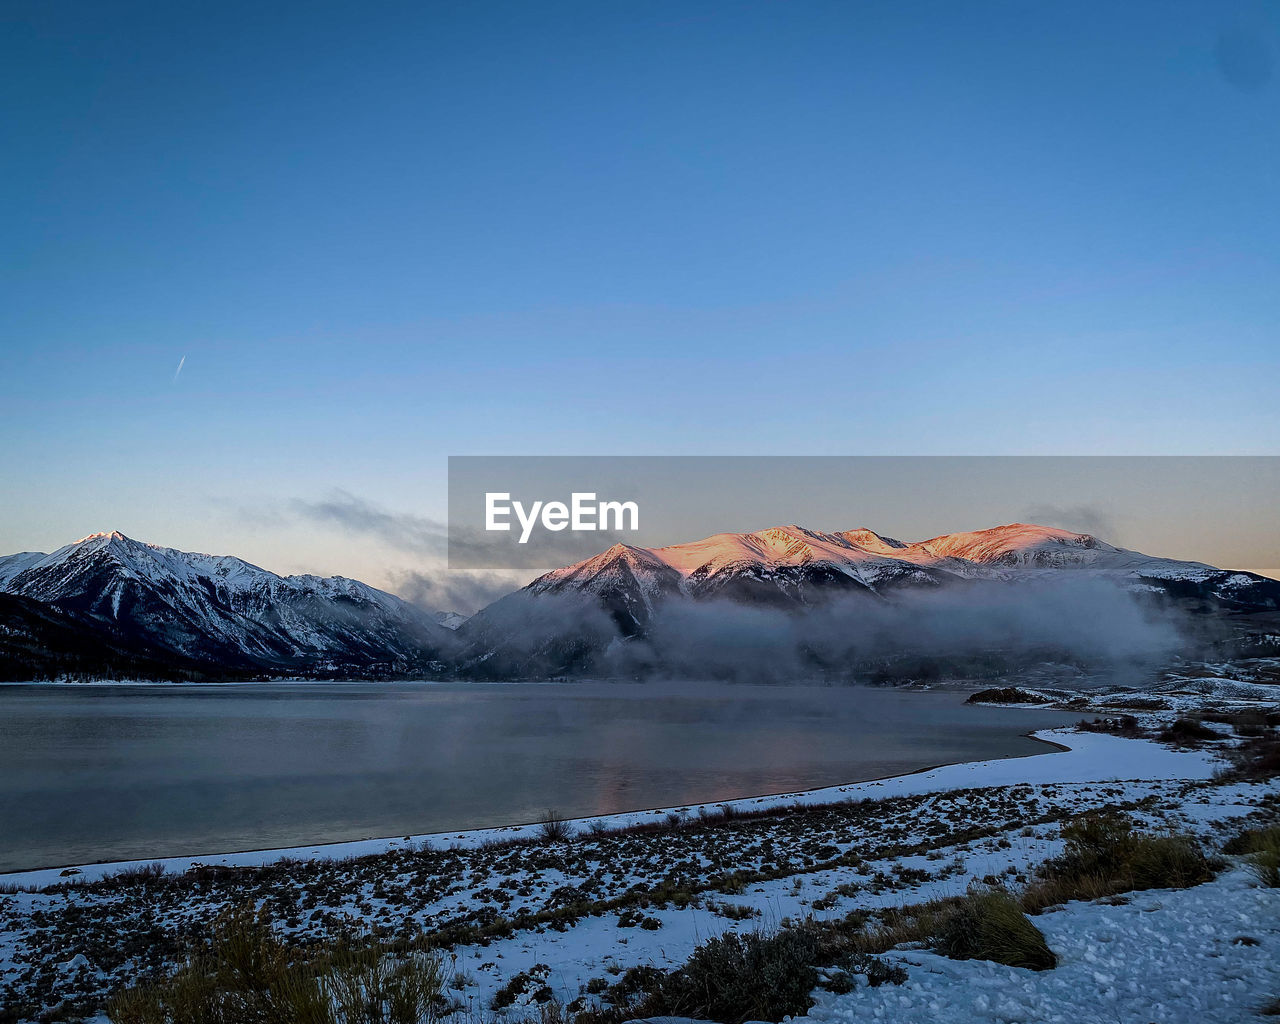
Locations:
(375, 235)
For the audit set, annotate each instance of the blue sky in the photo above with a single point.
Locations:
(383, 234)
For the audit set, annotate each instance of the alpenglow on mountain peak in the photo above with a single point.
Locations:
(793, 563)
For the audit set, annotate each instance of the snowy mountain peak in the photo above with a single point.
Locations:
(786, 542)
(112, 540)
(137, 560)
(618, 561)
(1024, 544)
(872, 541)
(107, 535)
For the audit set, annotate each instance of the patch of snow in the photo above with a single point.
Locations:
(1171, 956)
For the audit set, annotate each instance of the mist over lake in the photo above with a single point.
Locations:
(114, 772)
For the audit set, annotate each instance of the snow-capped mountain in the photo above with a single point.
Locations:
(112, 605)
(223, 611)
(615, 595)
(782, 565)
(789, 564)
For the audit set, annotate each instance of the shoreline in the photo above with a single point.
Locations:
(838, 792)
(89, 850)
(520, 917)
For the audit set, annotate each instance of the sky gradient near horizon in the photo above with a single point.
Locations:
(256, 257)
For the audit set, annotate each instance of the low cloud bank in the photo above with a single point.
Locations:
(973, 630)
(453, 591)
(1095, 625)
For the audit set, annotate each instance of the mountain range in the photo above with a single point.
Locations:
(791, 564)
(111, 606)
(793, 568)
(203, 615)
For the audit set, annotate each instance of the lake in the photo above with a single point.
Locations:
(119, 772)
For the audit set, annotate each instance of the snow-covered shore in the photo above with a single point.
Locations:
(1172, 787)
(499, 900)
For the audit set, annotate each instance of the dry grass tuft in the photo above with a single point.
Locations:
(1105, 856)
(1262, 847)
(245, 974)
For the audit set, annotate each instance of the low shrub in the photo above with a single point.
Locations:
(731, 978)
(530, 985)
(751, 976)
(1262, 847)
(1250, 724)
(368, 987)
(244, 974)
(1188, 732)
(554, 829)
(875, 970)
(1255, 759)
(138, 874)
(1120, 725)
(1104, 856)
(733, 911)
(988, 924)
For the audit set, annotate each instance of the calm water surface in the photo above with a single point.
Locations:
(115, 772)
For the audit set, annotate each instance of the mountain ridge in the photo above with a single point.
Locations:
(874, 561)
(617, 595)
(224, 613)
(138, 604)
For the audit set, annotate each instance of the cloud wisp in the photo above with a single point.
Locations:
(418, 537)
(1078, 518)
(402, 531)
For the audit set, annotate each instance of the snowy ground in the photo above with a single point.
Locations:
(1180, 694)
(503, 902)
(1206, 955)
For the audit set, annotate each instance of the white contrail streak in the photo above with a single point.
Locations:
(179, 369)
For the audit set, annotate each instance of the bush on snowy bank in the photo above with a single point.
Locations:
(987, 923)
(731, 978)
(244, 974)
(1262, 847)
(737, 977)
(1122, 725)
(1188, 732)
(1255, 759)
(1105, 856)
